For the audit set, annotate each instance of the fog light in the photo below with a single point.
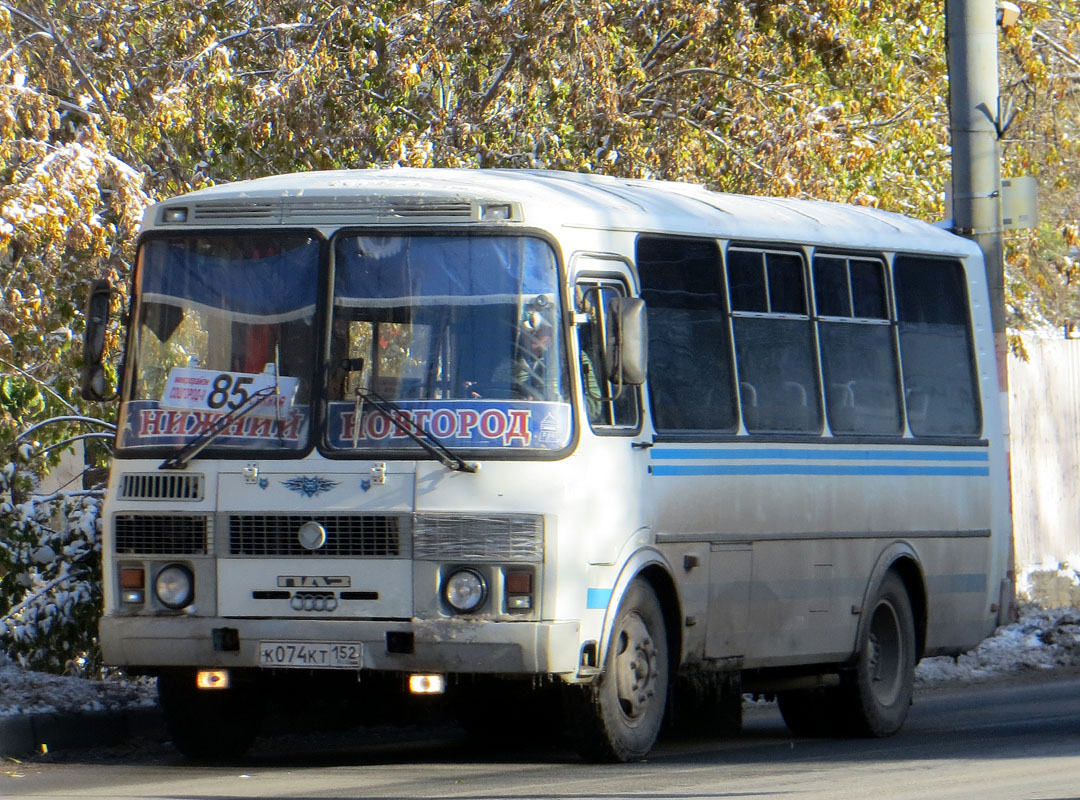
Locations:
(427, 684)
(175, 586)
(212, 679)
(132, 596)
(465, 590)
(519, 601)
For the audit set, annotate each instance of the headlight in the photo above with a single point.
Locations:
(175, 586)
(465, 590)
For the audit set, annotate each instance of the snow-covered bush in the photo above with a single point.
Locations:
(50, 592)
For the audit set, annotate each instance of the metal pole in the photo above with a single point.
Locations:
(974, 119)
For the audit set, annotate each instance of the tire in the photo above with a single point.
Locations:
(617, 718)
(877, 696)
(209, 725)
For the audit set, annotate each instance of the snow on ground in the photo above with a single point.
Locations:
(25, 692)
(1043, 640)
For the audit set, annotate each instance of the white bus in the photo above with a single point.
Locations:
(636, 445)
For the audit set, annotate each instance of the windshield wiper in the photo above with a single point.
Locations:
(419, 434)
(216, 428)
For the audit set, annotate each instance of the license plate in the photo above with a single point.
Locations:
(308, 655)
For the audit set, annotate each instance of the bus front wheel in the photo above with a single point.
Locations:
(618, 717)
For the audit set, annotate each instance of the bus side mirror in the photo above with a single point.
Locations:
(94, 385)
(628, 341)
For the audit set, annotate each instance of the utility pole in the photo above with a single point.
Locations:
(971, 32)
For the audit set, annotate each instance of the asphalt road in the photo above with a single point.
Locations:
(1009, 741)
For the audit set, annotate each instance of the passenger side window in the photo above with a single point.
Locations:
(774, 346)
(607, 405)
(936, 347)
(858, 352)
(691, 378)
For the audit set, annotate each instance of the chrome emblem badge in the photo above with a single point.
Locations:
(312, 535)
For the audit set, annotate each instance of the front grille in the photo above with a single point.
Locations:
(474, 537)
(367, 536)
(160, 534)
(161, 486)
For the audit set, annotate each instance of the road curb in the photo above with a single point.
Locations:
(37, 733)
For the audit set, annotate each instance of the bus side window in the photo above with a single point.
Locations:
(691, 377)
(936, 347)
(774, 346)
(858, 348)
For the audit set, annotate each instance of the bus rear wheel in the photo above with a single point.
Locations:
(618, 717)
(209, 725)
(878, 695)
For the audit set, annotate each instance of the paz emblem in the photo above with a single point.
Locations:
(312, 535)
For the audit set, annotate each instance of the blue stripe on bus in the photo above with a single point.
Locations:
(598, 598)
(824, 454)
(814, 469)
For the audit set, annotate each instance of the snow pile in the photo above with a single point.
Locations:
(1043, 639)
(24, 691)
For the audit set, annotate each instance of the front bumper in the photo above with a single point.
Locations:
(443, 646)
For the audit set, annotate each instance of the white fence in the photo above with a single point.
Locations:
(1044, 417)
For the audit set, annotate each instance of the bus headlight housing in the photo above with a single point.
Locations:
(465, 590)
(174, 586)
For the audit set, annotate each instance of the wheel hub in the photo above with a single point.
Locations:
(636, 667)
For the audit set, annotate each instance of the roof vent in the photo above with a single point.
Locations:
(374, 209)
(239, 210)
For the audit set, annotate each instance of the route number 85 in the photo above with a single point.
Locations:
(225, 387)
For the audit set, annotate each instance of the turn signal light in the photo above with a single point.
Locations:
(132, 585)
(518, 586)
(519, 583)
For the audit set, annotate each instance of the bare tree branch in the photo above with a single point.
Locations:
(1057, 47)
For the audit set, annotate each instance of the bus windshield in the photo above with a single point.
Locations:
(219, 318)
(460, 332)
